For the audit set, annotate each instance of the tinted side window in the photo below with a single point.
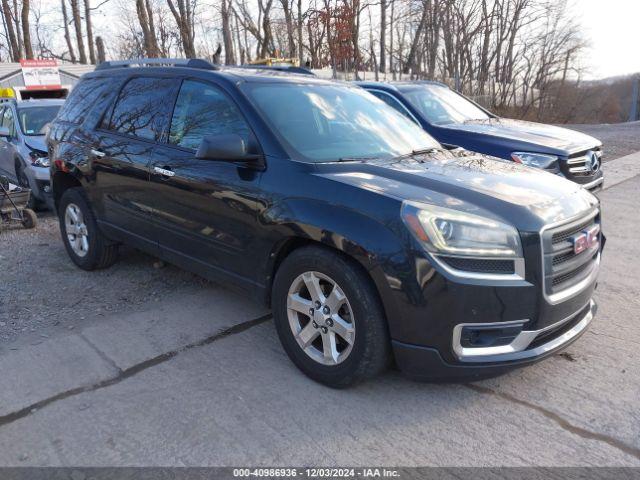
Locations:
(82, 99)
(201, 110)
(143, 107)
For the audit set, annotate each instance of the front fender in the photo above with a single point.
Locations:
(381, 248)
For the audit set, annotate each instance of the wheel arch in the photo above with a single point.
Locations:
(62, 181)
(367, 243)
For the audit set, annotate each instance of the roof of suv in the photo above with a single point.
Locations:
(204, 69)
(399, 85)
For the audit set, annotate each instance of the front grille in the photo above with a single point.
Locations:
(578, 166)
(563, 235)
(564, 268)
(481, 265)
(565, 277)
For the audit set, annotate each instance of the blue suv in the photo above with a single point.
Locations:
(454, 120)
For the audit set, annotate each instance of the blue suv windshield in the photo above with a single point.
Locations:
(35, 120)
(323, 122)
(441, 105)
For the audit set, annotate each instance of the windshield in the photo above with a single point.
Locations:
(441, 105)
(321, 123)
(35, 120)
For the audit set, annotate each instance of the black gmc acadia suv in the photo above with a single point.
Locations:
(369, 241)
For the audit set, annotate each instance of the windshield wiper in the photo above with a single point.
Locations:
(420, 151)
(423, 151)
(356, 159)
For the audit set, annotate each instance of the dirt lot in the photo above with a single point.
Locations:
(57, 296)
(619, 139)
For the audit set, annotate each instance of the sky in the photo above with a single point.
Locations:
(612, 28)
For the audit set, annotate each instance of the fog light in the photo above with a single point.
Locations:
(489, 336)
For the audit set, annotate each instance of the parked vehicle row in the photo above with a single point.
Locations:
(370, 241)
(23, 153)
(453, 119)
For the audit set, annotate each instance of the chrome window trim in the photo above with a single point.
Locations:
(395, 100)
(518, 268)
(516, 349)
(574, 290)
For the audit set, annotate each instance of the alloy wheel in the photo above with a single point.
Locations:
(321, 318)
(76, 230)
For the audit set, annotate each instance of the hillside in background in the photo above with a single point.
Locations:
(597, 101)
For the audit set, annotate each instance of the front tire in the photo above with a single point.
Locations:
(329, 318)
(23, 181)
(86, 245)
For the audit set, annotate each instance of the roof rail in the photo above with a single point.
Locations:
(159, 62)
(279, 68)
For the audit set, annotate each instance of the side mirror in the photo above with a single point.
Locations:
(229, 147)
(4, 181)
(5, 134)
(449, 146)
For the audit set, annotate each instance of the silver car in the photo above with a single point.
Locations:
(23, 152)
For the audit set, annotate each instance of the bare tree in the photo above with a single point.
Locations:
(145, 18)
(100, 50)
(77, 23)
(87, 20)
(67, 35)
(26, 33)
(7, 18)
(183, 12)
(287, 7)
(227, 35)
(383, 35)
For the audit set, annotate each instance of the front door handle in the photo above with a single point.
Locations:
(165, 172)
(97, 153)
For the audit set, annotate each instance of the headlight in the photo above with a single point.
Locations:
(537, 160)
(39, 159)
(452, 232)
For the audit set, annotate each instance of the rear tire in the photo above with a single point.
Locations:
(86, 245)
(354, 326)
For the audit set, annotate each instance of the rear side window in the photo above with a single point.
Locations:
(201, 110)
(143, 107)
(82, 99)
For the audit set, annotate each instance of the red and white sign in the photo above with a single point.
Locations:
(40, 74)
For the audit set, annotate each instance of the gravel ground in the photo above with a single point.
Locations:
(36, 306)
(619, 139)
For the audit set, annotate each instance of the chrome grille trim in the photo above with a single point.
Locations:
(518, 348)
(579, 165)
(564, 279)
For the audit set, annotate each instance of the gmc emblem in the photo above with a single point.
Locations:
(585, 239)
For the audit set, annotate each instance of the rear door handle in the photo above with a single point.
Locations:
(165, 172)
(97, 153)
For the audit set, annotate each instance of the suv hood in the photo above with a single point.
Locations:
(562, 140)
(36, 142)
(525, 197)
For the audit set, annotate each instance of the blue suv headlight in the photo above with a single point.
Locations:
(537, 160)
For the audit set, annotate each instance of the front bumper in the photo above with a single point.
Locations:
(426, 363)
(39, 182)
